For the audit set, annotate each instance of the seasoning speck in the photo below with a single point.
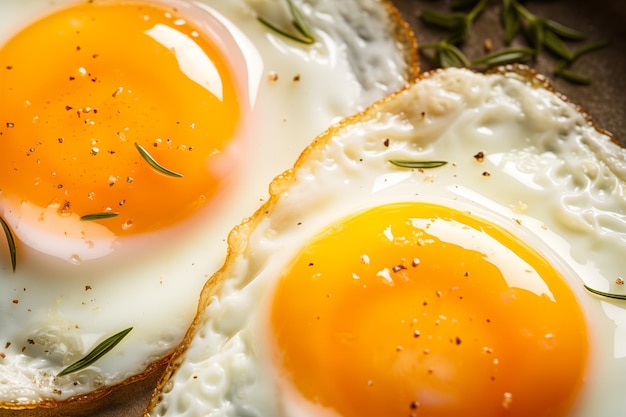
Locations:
(508, 399)
(488, 45)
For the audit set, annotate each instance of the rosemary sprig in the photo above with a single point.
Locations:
(447, 54)
(99, 216)
(542, 34)
(305, 34)
(154, 164)
(562, 67)
(11, 242)
(506, 56)
(97, 352)
(300, 22)
(459, 24)
(606, 294)
(417, 164)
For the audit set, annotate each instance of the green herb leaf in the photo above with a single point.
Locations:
(417, 164)
(97, 352)
(589, 48)
(99, 216)
(556, 45)
(154, 164)
(570, 76)
(11, 242)
(523, 11)
(463, 3)
(476, 11)
(511, 21)
(564, 31)
(503, 57)
(283, 32)
(541, 33)
(537, 34)
(448, 55)
(299, 21)
(606, 294)
(444, 20)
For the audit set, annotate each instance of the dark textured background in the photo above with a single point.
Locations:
(604, 100)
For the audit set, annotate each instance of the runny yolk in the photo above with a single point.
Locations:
(420, 310)
(84, 88)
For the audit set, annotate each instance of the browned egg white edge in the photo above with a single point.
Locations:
(407, 42)
(239, 236)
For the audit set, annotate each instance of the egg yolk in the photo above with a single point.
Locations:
(420, 310)
(125, 109)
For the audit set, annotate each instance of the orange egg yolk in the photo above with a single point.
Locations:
(98, 100)
(420, 310)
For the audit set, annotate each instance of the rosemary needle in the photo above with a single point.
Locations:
(99, 216)
(97, 352)
(606, 294)
(299, 23)
(417, 164)
(10, 242)
(154, 164)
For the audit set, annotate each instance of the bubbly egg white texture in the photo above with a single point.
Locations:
(77, 282)
(520, 158)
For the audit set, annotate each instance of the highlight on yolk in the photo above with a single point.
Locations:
(417, 309)
(82, 86)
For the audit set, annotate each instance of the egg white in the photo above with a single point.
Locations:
(548, 175)
(60, 303)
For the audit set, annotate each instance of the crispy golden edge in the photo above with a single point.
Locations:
(90, 396)
(404, 35)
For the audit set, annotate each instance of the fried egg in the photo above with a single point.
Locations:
(133, 136)
(425, 257)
